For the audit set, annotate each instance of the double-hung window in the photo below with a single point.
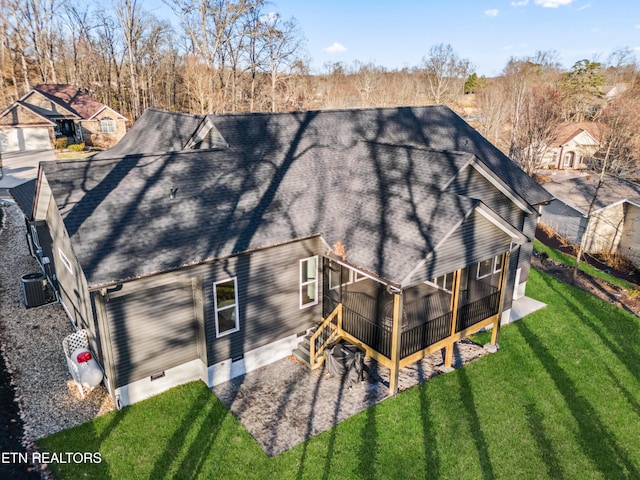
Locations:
(225, 298)
(308, 282)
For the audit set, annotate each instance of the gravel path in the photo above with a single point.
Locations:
(31, 344)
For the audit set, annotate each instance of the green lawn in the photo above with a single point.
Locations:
(561, 400)
(570, 261)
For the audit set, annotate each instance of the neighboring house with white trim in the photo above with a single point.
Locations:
(52, 111)
(571, 148)
(615, 227)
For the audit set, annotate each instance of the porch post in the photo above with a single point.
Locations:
(455, 301)
(396, 335)
(495, 332)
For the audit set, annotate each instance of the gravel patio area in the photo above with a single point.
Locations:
(31, 344)
(285, 403)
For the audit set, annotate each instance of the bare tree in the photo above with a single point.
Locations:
(282, 40)
(493, 112)
(207, 24)
(38, 21)
(621, 66)
(444, 71)
(130, 18)
(541, 116)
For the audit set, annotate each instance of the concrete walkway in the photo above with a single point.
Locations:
(524, 306)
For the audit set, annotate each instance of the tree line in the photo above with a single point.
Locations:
(222, 56)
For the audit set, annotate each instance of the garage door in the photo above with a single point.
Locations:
(151, 331)
(24, 139)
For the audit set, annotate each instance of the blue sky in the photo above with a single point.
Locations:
(399, 33)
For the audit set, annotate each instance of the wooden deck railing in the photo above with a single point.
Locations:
(327, 332)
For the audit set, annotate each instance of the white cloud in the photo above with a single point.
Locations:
(335, 48)
(492, 13)
(521, 3)
(520, 46)
(553, 3)
(638, 27)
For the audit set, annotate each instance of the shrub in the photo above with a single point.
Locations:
(77, 147)
(61, 143)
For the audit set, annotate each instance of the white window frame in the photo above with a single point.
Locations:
(305, 284)
(111, 125)
(354, 276)
(66, 262)
(441, 282)
(497, 264)
(495, 267)
(228, 307)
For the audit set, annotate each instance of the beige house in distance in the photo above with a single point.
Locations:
(52, 111)
(615, 225)
(571, 148)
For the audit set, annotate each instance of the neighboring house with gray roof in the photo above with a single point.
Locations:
(615, 227)
(52, 111)
(403, 228)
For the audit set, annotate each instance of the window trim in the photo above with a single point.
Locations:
(107, 121)
(228, 307)
(495, 267)
(308, 282)
(354, 276)
(434, 282)
(65, 260)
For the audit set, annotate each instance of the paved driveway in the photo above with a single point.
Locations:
(18, 168)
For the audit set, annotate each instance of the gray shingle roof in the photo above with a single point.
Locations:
(23, 194)
(156, 131)
(577, 189)
(285, 177)
(383, 203)
(436, 127)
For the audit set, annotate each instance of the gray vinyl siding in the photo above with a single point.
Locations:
(268, 298)
(475, 240)
(564, 219)
(470, 183)
(71, 285)
(526, 249)
(150, 330)
(514, 260)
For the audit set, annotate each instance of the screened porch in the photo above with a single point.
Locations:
(431, 315)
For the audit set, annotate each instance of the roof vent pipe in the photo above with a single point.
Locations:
(172, 194)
